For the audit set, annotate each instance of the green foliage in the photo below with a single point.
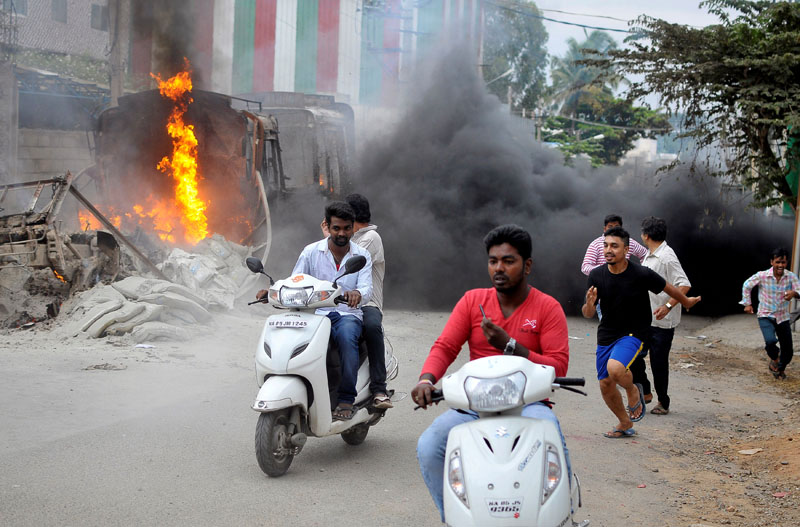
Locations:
(513, 40)
(737, 85)
(573, 79)
(74, 66)
(596, 105)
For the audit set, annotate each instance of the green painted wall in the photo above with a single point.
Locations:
(305, 65)
(369, 90)
(430, 19)
(243, 43)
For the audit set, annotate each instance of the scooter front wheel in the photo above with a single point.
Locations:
(272, 443)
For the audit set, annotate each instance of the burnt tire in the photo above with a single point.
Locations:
(272, 442)
(356, 435)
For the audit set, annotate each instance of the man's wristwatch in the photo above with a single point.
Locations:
(669, 306)
(511, 345)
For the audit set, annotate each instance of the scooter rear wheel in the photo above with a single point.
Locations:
(272, 443)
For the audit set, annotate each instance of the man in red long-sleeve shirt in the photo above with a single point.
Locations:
(519, 320)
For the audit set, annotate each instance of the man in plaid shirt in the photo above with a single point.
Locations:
(776, 287)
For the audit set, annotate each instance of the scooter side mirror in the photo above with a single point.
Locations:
(353, 265)
(254, 264)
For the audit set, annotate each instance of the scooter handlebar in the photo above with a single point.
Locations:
(340, 300)
(436, 397)
(570, 381)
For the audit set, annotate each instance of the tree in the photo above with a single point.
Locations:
(737, 85)
(514, 40)
(610, 128)
(573, 79)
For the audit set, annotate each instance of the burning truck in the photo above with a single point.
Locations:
(177, 171)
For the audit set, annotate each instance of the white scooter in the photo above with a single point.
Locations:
(505, 469)
(293, 366)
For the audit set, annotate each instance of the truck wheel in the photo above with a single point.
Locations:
(272, 443)
(356, 435)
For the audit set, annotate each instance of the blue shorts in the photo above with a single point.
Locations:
(624, 350)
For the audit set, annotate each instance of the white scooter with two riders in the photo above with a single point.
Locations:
(297, 370)
(504, 469)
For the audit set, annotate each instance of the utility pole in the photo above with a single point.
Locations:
(118, 37)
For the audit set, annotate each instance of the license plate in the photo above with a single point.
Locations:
(505, 508)
(287, 323)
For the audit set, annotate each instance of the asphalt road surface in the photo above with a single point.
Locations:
(103, 433)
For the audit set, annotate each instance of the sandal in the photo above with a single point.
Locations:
(616, 433)
(641, 403)
(773, 366)
(659, 410)
(381, 401)
(343, 413)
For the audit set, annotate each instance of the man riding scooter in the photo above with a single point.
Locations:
(323, 260)
(512, 318)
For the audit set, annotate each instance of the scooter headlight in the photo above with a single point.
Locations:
(497, 394)
(552, 472)
(319, 296)
(274, 296)
(455, 476)
(295, 296)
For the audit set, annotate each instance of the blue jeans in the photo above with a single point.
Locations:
(346, 330)
(775, 333)
(432, 446)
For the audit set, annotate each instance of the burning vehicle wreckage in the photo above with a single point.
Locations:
(86, 257)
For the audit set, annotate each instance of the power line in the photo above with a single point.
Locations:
(618, 127)
(583, 14)
(531, 15)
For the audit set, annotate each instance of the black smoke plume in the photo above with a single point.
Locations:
(454, 168)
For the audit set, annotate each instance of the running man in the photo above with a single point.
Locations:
(621, 288)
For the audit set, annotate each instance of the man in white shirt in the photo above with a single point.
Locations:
(325, 260)
(366, 236)
(666, 313)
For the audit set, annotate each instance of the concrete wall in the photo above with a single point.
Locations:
(48, 153)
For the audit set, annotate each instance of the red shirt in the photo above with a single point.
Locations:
(538, 324)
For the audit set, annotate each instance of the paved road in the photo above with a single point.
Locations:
(168, 439)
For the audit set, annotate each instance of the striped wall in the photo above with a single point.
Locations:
(354, 49)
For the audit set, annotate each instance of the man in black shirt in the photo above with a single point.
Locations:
(621, 287)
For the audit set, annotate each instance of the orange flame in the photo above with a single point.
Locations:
(89, 222)
(183, 164)
(59, 276)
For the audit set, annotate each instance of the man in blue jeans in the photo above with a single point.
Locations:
(776, 287)
(325, 260)
(520, 320)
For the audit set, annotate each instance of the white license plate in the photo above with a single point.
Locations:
(505, 508)
(287, 323)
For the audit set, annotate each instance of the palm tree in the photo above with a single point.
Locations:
(573, 81)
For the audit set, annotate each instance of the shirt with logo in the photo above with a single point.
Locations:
(539, 324)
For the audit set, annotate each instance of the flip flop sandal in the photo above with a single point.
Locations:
(343, 413)
(659, 410)
(773, 366)
(381, 401)
(616, 433)
(641, 403)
